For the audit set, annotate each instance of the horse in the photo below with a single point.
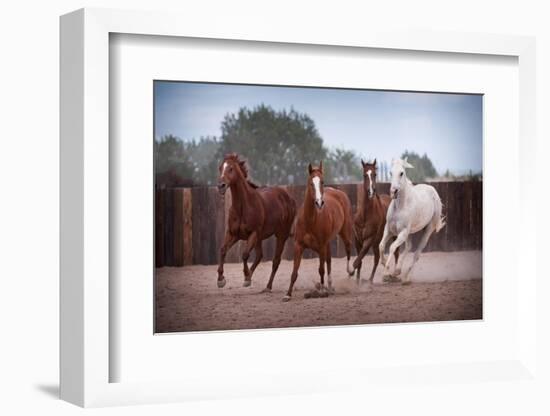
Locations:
(256, 214)
(413, 208)
(370, 221)
(325, 213)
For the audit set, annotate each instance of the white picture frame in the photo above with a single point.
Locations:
(85, 182)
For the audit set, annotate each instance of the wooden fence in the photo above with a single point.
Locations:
(190, 223)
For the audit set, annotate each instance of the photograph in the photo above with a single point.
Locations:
(299, 206)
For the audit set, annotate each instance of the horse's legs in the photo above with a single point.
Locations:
(361, 254)
(376, 251)
(329, 269)
(298, 251)
(383, 242)
(399, 260)
(276, 261)
(228, 242)
(345, 235)
(257, 258)
(423, 241)
(358, 246)
(401, 238)
(250, 243)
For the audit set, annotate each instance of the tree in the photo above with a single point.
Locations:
(344, 166)
(185, 162)
(423, 167)
(279, 145)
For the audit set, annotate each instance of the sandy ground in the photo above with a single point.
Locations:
(445, 286)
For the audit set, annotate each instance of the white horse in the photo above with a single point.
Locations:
(413, 208)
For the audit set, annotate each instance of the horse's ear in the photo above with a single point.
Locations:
(362, 163)
(407, 165)
(321, 166)
(310, 168)
(374, 163)
(244, 170)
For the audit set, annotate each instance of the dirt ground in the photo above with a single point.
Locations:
(445, 286)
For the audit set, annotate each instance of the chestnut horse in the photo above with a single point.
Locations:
(326, 213)
(255, 214)
(370, 221)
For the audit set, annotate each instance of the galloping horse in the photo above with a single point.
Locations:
(370, 221)
(326, 213)
(255, 214)
(413, 208)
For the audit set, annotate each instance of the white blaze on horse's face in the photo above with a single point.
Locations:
(223, 170)
(317, 188)
(371, 191)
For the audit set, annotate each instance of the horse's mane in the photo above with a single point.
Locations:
(243, 164)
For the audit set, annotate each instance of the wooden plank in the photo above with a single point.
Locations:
(159, 228)
(178, 227)
(206, 233)
(168, 227)
(443, 234)
(477, 214)
(215, 223)
(196, 221)
(220, 224)
(467, 220)
(187, 227)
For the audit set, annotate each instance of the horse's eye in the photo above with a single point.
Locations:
(401, 174)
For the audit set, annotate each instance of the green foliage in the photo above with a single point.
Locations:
(189, 161)
(470, 176)
(278, 145)
(423, 167)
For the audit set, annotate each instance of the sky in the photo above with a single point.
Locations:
(381, 124)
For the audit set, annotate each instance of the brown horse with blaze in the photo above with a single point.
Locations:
(370, 220)
(326, 213)
(256, 213)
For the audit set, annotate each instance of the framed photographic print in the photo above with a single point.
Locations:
(236, 210)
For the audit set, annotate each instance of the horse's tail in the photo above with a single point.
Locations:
(292, 211)
(438, 212)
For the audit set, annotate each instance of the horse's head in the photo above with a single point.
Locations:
(398, 176)
(315, 182)
(369, 178)
(231, 170)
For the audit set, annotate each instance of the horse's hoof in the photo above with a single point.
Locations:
(286, 298)
(318, 286)
(406, 282)
(221, 283)
(351, 273)
(331, 291)
(397, 272)
(247, 283)
(266, 290)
